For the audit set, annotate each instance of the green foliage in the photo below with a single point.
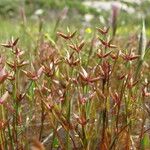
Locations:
(145, 143)
(11, 8)
(8, 8)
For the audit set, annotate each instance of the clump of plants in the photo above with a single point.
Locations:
(75, 94)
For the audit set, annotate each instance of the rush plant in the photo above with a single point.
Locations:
(58, 100)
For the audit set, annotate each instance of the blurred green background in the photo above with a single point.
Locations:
(24, 18)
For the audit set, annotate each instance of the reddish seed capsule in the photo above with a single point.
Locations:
(103, 31)
(107, 44)
(66, 36)
(11, 43)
